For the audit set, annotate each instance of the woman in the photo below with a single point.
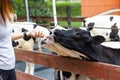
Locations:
(7, 57)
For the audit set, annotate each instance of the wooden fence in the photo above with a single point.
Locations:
(50, 18)
(91, 69)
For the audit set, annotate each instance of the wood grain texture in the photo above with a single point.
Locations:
(91, 69)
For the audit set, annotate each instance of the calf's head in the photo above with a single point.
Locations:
(76, 39)
(72, 42)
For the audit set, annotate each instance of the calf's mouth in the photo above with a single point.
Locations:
(57, 48)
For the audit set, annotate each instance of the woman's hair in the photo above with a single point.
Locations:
(6, 9)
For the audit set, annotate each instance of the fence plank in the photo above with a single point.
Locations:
(49, 18)
(25, 76)
(91, 69)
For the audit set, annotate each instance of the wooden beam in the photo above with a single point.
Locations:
(49, 18)
(24, 76)
(91, 69)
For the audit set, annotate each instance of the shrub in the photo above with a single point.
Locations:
(75, 8)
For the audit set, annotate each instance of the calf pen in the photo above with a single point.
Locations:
(92, 69)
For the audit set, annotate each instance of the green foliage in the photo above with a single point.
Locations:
(19, 7)
(36, 8)
(41, 8)
(75, 8)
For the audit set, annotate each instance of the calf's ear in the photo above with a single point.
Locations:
(98, 39)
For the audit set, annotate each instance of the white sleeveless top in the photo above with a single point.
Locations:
(7, 57)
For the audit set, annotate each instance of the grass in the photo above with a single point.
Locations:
(73, 24)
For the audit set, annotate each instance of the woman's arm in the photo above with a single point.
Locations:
(17, 36)
(36, 34)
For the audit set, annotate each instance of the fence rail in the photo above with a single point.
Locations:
(91, 69)
(24, 76)
(49, 18)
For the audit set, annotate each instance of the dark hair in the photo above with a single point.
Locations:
(6, 9)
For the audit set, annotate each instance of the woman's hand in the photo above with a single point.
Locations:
(35, 33)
